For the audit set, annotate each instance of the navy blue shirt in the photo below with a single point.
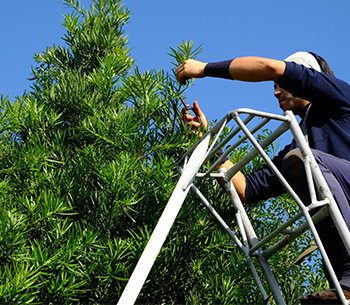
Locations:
(328, 123)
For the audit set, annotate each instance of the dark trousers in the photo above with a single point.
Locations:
(337, 174)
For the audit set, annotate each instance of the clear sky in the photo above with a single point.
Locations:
(225, 28)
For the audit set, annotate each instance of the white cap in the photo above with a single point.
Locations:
(306, 59)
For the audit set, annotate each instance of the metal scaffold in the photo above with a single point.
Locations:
(246, 240)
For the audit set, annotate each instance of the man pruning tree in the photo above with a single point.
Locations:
(304, 84)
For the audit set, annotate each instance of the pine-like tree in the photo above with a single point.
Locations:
(87, 164)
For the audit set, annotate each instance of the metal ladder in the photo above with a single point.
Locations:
(248, 242)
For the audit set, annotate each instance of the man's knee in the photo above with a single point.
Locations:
(293, 165)
(294, 171)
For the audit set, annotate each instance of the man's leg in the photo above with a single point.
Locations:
(337, 174)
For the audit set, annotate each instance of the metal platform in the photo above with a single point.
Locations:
(246, 239)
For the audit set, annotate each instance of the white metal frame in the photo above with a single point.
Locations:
(248, 242)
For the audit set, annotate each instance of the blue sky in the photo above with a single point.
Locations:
(226, 29)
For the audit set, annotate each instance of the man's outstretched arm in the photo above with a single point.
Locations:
(249, 69)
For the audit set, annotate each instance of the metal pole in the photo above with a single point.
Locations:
(333, 208)
(163, 227)
(252, 238)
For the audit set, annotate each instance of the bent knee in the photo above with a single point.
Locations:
(292, 164)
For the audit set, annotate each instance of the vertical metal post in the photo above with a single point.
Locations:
(244, 247)
(333, 208)
(252, 238)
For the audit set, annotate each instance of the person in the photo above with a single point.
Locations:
(305, 84)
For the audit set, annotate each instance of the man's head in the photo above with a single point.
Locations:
(310, 60)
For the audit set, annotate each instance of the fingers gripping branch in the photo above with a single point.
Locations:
(190, 68)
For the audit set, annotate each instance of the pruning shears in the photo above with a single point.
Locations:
(188, 109)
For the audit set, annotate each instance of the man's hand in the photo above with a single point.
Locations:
(188, 69)
(193, 122)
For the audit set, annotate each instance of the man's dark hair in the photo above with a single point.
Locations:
(325, 68)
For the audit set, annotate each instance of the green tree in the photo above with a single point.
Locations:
(88, 162)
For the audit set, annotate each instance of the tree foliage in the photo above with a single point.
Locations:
(87, 164)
